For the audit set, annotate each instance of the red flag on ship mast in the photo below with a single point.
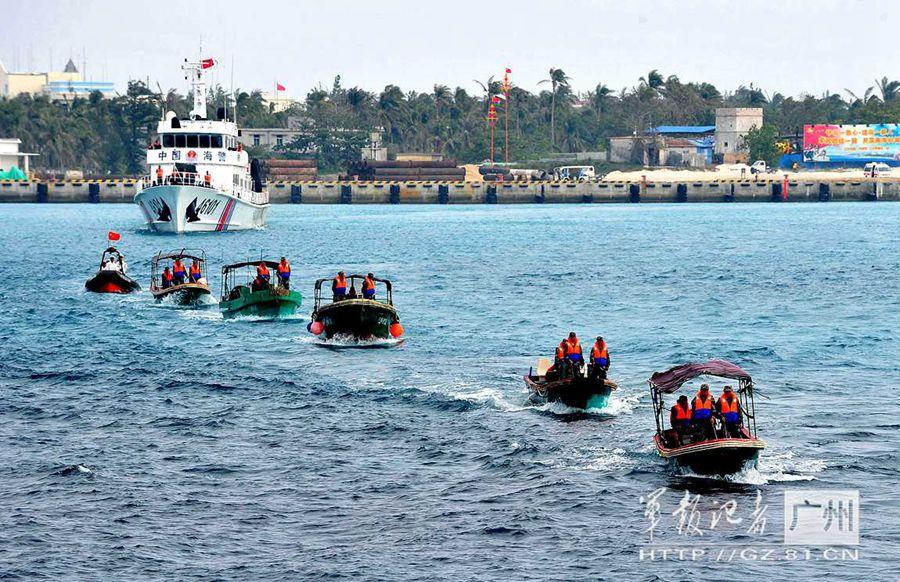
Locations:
(113, 235)
(279, 87)
(207, 63)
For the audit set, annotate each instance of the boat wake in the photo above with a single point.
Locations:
(344, 342)
(169, 303)
(777, 468)
(295, 318)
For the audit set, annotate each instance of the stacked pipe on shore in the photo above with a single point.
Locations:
(291, 170)
(401, 171)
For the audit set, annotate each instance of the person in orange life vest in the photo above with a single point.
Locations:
(284, 273)
(166, 278)
(262, 271)
(599, 359)
(702, 409)
(730, 411)
(368, 287)
(195, 272)
(574, 356)
(560, 352)
(680, 417)
(339, 286)
(207, 180)
(179, 272)
(159, 174)
(680, 414)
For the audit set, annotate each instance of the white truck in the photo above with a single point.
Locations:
(757, 167)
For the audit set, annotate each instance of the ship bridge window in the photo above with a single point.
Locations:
(180, 140)
(193, 140)
(168, 140)
(216, 141)
(204, 141)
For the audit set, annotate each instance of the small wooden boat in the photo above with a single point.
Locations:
(354, 317)
(187, 292)
(578, 391)
(111, 277)
(243, 294)
(692, 449)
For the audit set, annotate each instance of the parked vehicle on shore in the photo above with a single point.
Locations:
(574, 173)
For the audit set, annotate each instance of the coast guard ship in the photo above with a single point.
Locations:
(201, 179)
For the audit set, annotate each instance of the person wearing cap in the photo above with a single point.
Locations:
(599, 359)
(730, 411)
(701, 412)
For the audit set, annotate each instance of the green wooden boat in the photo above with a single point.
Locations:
(245, 294)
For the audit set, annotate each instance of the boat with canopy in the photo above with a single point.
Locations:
(692, 448)
(355, 317)
(188, 290)
(111, 277)
(244, 293)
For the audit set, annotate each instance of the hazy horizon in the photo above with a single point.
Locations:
(793, 49)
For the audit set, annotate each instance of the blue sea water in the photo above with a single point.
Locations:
(140, 441)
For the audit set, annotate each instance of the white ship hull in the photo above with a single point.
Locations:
(180, 208)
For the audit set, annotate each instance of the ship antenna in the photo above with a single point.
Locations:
(233, 94)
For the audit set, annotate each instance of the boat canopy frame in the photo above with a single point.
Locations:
(198, 255)
(110, 251)
(388, 286)
(231, 272)
(672, 380)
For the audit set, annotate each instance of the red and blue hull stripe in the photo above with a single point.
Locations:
(226, 215)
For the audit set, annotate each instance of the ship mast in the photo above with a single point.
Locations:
(194, 73)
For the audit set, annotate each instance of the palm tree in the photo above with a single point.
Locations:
(654, 79)
(359, 100)
(889, 89)
(391, 103)
(600, 96)
(558, 81)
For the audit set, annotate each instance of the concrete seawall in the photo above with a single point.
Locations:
(799, 190)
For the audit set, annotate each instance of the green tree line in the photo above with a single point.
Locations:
(102, 136)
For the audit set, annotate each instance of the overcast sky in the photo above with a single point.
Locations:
(789, 46)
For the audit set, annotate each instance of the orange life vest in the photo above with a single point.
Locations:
(262, 269)
(159, 172)
(681, 413)
(700, 404)
(284, 267)
(560, 352)
(207, 178)
(195, 269)
(178, 266)
(167, 276)
(340, 281)
(725, 406)
(573, 347)
(599, 351)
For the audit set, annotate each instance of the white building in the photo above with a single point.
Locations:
(732, 125)
(11, 156)
(59, 85)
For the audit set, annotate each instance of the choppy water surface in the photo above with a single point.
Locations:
(143, 441)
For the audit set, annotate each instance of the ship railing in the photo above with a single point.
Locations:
(176, 179)
(194, 179)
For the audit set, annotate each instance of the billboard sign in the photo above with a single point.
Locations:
(851, 143)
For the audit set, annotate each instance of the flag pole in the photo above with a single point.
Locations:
(506, 114)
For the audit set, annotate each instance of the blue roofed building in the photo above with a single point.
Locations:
(666, 145)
